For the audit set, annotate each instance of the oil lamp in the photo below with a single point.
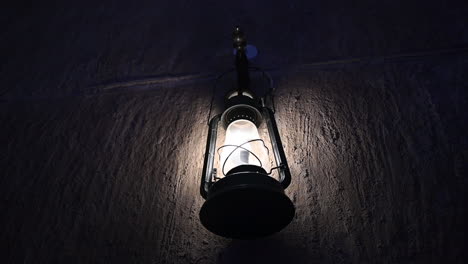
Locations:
(244, 178)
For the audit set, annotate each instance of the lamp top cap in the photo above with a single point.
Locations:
(238, 37)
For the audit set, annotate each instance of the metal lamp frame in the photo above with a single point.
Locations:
(247, 203)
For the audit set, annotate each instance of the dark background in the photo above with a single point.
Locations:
(103, 114)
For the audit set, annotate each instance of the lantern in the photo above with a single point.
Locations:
(243, 198)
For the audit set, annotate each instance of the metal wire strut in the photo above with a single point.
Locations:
(240, 147)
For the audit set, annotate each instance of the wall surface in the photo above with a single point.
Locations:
(103, 113)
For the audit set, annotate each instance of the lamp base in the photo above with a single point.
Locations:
(246, 205)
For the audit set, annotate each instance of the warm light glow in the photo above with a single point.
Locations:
(243, 146)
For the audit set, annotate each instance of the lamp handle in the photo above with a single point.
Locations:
(207, 175)
(277, 146)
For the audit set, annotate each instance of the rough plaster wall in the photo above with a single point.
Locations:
(103, 117)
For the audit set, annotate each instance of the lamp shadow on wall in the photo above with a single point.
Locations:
(272, 250)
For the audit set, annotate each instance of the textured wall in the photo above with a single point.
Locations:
(103, 112)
